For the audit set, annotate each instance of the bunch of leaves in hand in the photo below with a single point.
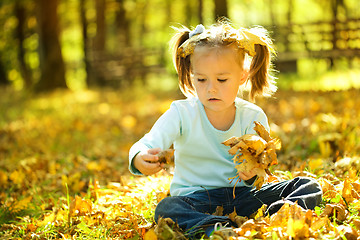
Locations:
(166, 156)
(254, 152)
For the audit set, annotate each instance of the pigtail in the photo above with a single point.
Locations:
(262, 83)
(182, 64)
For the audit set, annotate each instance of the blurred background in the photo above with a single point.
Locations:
(82, 80)
(78, 44)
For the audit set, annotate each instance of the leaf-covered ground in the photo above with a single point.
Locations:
(63, 165)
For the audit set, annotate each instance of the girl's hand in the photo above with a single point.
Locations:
(247, 175)
(147, 162)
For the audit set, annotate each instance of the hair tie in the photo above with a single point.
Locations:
(244, 38)
(198, 30)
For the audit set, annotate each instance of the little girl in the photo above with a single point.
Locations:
(212, 67)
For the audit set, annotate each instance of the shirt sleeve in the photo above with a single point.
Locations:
(261, 118)
(162, 135)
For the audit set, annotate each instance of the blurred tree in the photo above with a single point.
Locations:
(51, 60)
(98, 48)
(20, 13)
(122, 24)
(289, 15)
(100, 37)
(338, 6)
(143, 10)
(3, 76)
(272, 13)
(188, 12)
(143, 31)
(221, 9)
(168, 5)
(200, 11)
(85, 38)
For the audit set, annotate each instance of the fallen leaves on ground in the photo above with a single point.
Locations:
(63, 168)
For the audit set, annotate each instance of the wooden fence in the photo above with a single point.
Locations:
(120, 69)
(325, 40)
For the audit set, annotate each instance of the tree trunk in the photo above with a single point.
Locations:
(188, 12)
(272, 13)
(3, 76)
(221, 9)
(20, 14)
(122, 25)
(289, 23)
(51, 60)
(100, 25)
(142, 35)
(84, 26)
(200, 12)
(168, 13)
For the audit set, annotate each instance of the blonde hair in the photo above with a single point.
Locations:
(253, 42)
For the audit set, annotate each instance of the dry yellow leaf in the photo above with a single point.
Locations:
(297, 229)
(3, 179)
(150, 235)
(348, 232)
(17, 177)
(329, 190)
(263, 133)
(347, 191)
(166, 156)
(337, 210)
(80, 206)
(47, 219)
(22, 204)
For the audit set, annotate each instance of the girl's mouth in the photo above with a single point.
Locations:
(214, 99)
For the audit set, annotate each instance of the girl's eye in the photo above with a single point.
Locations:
(201, 79)
(222, 80)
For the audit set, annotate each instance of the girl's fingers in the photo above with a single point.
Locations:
(246, 176)
(152, 168)
(154, 150)
(151, 158)
(243, 176)
(151, 155)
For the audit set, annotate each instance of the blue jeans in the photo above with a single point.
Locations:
(193, 212)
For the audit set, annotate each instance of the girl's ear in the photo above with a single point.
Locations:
(244, 76)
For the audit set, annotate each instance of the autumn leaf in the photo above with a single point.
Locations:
(22, 204)
(335, 210)
(329, 190)
(348, 232)
(150, 235)
(219, 211)
(17, 177)
(262, 132)
(166, 156)
(168, 229)
(80, 206)
(3, 179)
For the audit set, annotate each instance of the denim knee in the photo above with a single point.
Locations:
(162, 208)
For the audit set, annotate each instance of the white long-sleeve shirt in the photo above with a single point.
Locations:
(201, 161)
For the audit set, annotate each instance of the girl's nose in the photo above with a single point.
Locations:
(211, 87)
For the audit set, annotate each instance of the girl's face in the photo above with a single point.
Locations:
(217, 75)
